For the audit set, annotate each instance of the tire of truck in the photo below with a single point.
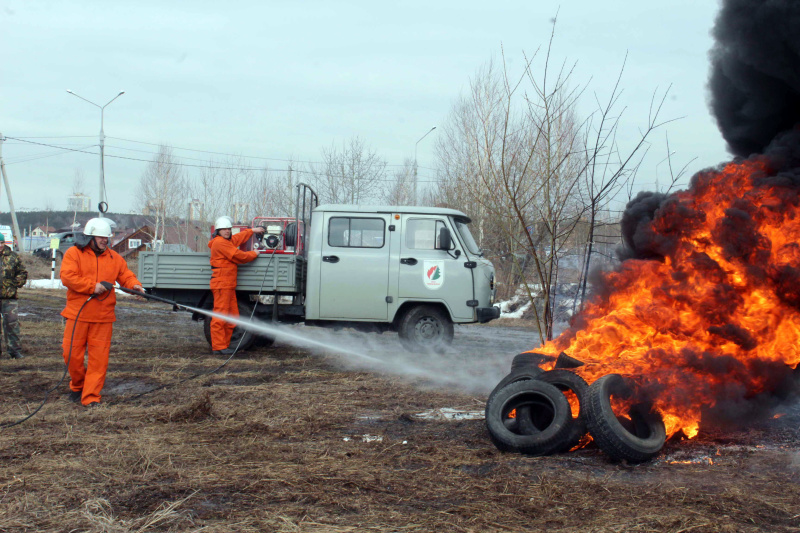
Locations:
(553, 417)
(570, 384)
(425, 328)
(635, 438)
(263, 341)
(247, 337)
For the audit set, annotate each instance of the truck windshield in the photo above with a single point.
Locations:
(466, 236)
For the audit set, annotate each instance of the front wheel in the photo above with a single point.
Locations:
(239, 333)
(426, 328)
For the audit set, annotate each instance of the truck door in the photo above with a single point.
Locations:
(430, 274)
(354, 273)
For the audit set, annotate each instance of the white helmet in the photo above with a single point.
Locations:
(223, 223)
(98, 227)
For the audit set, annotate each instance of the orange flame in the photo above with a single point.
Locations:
(717, 319)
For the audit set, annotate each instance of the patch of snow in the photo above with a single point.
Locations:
(364, 438)
(448, 413)
(44, 284)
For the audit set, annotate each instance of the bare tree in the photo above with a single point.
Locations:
(78, 182)
(351, 175)
(515, 152)
(163, 191)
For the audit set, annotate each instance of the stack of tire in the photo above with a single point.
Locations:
(529, 412)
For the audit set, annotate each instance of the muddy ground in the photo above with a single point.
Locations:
(299, 439)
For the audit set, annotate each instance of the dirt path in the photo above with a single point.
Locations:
(296, 440)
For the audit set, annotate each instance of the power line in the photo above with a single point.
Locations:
(40, 156)
(236, 155)
(209, 166)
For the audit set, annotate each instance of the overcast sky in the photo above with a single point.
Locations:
(280, 79)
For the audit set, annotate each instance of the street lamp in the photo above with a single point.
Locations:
(415, 163)
(101, 201)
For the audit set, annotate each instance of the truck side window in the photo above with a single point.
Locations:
(356, 232)
(423, 233)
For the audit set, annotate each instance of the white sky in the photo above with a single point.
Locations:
(281, 79)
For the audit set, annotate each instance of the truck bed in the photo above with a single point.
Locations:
(192, 271)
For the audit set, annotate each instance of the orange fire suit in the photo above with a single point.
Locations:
(225, 258)
(81, 270)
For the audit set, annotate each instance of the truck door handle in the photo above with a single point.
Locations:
(408, 261)
(330, 258)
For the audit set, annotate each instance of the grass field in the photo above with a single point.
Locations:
(285, 439)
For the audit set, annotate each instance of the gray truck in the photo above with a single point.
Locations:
(413, 270)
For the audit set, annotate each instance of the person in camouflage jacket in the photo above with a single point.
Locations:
(14, 277)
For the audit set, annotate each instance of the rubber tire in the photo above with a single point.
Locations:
(249, 337)
(527, 359)
(521, 374)
(564, 380)
(612, 437)
(536, 395)
(425, 328)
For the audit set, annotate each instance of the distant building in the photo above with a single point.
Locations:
(79, 202)
(42, 231)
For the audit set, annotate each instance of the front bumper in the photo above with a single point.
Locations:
(485, 314)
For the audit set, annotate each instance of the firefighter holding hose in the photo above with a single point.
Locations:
(225, 258)
(90, 309)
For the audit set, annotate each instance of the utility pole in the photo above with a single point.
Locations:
(415, 164)
(15, 225)
(102, 206)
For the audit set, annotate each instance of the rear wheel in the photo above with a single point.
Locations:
(247, 337)
(426, 328)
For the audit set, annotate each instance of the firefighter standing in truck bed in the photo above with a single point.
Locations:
(225, 258)
(82, 270)
(14, 277)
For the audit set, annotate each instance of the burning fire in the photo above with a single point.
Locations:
(713, 320)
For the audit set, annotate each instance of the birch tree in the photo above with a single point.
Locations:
(352, 174)
(163, 191)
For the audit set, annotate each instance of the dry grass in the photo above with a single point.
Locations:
(261, 446)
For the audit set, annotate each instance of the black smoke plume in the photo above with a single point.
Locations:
(755, 72)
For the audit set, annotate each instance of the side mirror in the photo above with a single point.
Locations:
(445, 239)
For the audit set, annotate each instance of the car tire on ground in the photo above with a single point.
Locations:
(550, 406)
(528, 359)
(569, 383)
(426, 328)
(635, 436)
(247, 337)
(520, 374)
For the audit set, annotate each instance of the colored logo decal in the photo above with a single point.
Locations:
(433, 274)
